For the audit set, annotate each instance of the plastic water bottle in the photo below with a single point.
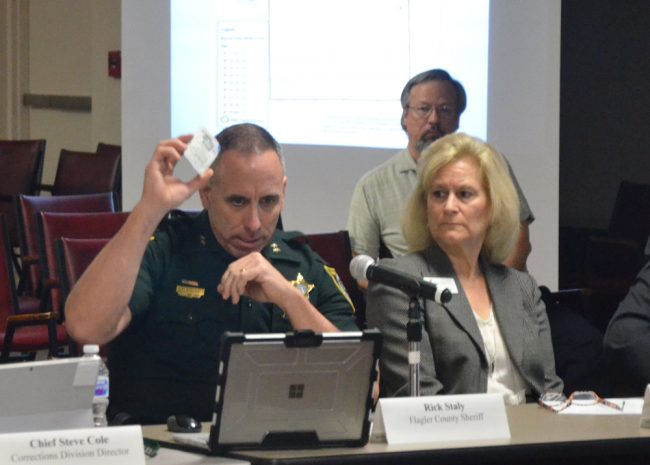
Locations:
(100, 400)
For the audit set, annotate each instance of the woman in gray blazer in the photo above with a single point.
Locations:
(493, 336)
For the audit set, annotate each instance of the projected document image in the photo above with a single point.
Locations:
(324, 72)
(242, 72)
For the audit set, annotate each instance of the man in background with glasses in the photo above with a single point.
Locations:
(432, 103)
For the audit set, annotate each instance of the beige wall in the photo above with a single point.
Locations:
(106, 91)
(14, 68)
(66, 54)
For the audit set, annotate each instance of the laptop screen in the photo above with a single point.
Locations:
(47, 395)
(299, 389)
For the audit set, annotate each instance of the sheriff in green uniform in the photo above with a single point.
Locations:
(178, 317)
(229, 269)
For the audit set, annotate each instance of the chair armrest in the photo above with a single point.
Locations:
(27, 319)
(49, 319)
(29, 259)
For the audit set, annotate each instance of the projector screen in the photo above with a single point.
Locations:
(331, 97)
(321, 72)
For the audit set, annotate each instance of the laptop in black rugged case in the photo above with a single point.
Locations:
(295, 390)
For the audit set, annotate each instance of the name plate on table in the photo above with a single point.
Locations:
(119, 445)
(440, 418)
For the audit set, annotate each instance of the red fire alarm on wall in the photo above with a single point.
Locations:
(115, 64)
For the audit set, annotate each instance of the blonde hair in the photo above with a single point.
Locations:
(503, 227)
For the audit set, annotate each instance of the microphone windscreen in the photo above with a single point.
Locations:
(359, 266)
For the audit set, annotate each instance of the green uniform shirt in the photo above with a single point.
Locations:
(165, 361)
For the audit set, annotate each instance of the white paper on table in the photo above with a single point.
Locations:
(631, 406)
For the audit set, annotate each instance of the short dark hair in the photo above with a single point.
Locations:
(247, 138)
(435, 75)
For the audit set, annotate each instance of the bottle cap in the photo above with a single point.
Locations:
(91, 349)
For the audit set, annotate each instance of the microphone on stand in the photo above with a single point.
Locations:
(364, 267)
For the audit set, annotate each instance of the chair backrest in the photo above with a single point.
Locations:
(631, 214)
(74, 256)
(8, 299)
(29, 206)
(53, 226)
(85, 173)
(21, 168)
(336, 250)
(21, 165)
(114, 150)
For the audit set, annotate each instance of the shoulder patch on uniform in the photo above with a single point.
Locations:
(331, 272)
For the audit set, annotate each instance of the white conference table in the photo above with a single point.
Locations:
(538, 436)
(167, 456)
